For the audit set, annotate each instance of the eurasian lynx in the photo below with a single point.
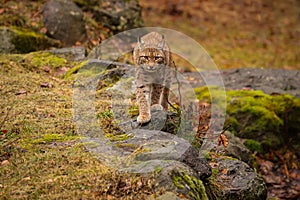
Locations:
(153, 62)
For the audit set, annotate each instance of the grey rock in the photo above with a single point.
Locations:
(167, 196)
(234, 179)
(64, 21)
(165, 146)
(271, 81)
(118, 15)
(70, 53)
(6, 45)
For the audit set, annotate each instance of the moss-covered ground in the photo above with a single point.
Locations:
(41, 155)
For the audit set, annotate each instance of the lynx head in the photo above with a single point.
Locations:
(150, 52)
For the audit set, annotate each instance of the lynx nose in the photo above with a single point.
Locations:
(151, 65)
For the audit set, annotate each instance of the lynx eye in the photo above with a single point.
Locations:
(159, 59)
(145, 57)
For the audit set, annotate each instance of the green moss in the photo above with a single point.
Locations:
(70, 73)
(133, 111)
(195, 187)
(270, 120)
(214, 172)
(158, 169)
(120, 137)
(39, 60)
(27, 41)
(211, 94)
(207, 156)
(105, 115)
(128, 147)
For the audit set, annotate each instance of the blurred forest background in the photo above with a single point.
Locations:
(248, 33)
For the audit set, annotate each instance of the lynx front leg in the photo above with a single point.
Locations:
(164, 98)
(143, 93)
(155, 97)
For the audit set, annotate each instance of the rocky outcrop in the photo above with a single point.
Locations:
(176, 165)
(64, 21)
(270, 81)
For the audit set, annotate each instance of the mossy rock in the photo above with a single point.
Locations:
(16, 40)
(253, 145)
(269, 119)
(233, 179)
(196, 189)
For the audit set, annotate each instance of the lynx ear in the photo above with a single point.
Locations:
(162, 45)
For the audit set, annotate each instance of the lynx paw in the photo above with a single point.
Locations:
(142, 119)
(156, 107)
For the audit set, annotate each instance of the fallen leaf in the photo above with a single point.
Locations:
(224, 171)
(223, 140)
(27, 178)
(43, 30)
(51, 114)
(5, 162)
(2, 10)
(22, 91)
(78, 43)
(46, 85)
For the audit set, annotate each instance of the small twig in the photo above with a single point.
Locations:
(179, 91)
(5, 118)
(225, 129)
